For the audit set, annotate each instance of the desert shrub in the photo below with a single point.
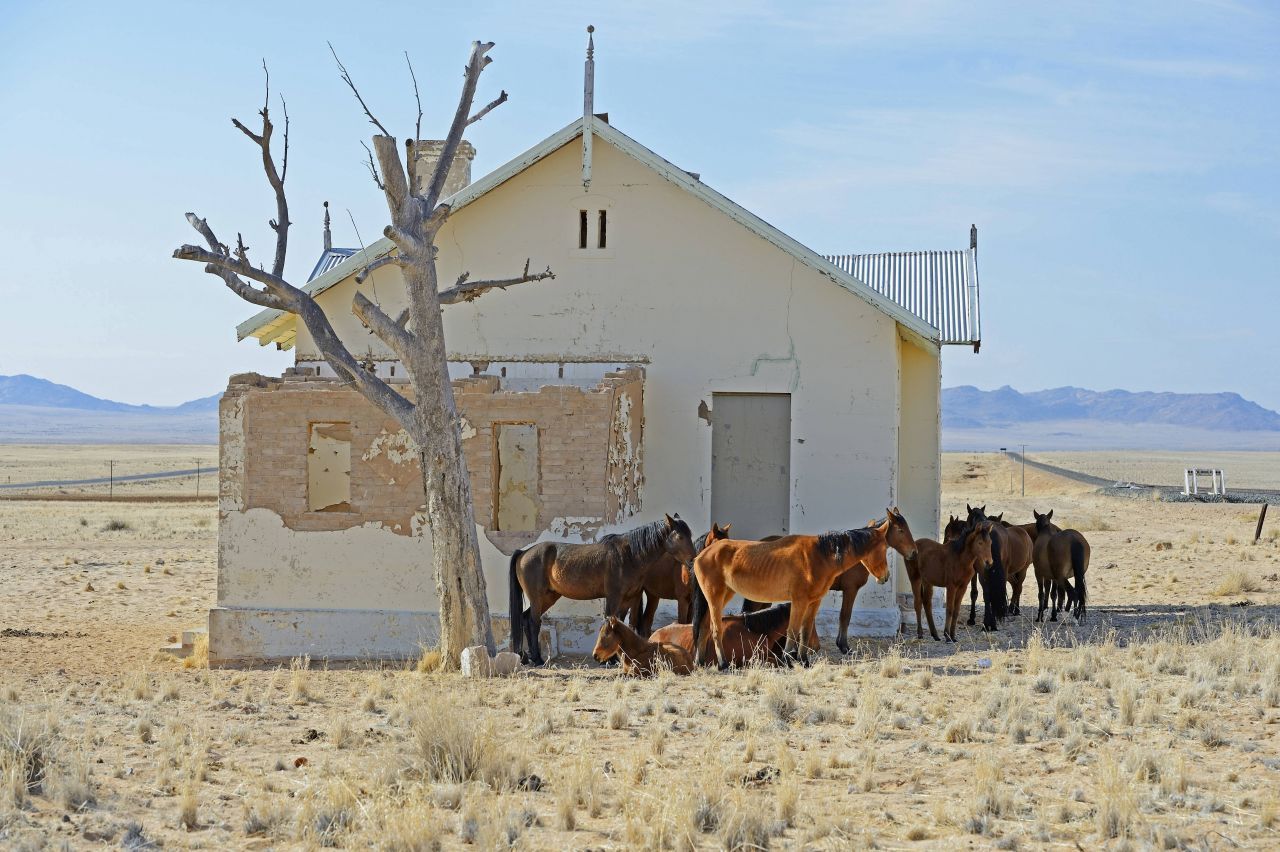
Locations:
(1234, 582)
(447, 746)
(116, 525)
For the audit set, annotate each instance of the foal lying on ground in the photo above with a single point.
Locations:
(640, 657)
(751, 637)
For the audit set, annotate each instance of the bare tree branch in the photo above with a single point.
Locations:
(284, 161)
(496, 102)
(466, 290)
(411, 145)
(397, 188)
(281, 223)
(373, 169)
(346, 78)
(470, 78)
(397, 338)
(385, 260)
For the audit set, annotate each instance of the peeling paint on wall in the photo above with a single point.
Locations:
(579, 530)
(398, 448)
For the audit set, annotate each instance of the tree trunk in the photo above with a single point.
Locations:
(460, 584)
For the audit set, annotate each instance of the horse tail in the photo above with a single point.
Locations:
(698, 610)
(516, 604)
(1077, 568)
(995, 582)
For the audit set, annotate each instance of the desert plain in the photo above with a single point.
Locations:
(1155, 723)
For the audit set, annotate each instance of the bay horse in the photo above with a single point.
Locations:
(950, 564)
(670, 580)
(613, 568)
(851, 582)
(640, 657)
(1060, 555)
(795, 568)
(995, 598)
(750, 637)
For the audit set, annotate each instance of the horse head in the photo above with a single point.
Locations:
(1044, 523)
(717, 533)
(608, 642)
(876, 559)
(899, 536)
(954, 530)
(978, 546)
(976, 513)
(677, 539)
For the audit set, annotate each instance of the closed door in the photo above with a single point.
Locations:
(751, 463)
(516, 497)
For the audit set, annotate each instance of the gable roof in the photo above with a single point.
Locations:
(279, 327)
(940, 287)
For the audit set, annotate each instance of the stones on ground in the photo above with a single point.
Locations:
(476, 662)
(506, 663)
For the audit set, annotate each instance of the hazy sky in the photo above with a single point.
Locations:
(1119, 159)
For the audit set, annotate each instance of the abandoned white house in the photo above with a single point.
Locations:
(688, 357)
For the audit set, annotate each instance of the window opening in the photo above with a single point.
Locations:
(600, 236)
(582, 229)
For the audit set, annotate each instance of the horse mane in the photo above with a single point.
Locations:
(648, 540)
(764, 621)
(700, 543)
(958, 543)
(857, 539)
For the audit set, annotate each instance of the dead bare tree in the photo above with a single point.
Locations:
(416, 336)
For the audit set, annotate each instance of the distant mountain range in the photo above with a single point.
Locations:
(34, 410)
(967, 407)
(29, 390)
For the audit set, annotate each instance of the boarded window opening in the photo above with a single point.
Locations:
(515, 504)
(600, 236)
(329, 467)
(582, 229)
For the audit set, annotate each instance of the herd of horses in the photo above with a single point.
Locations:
(635, 570)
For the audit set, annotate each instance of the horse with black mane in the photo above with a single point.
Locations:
(995, 597)
(613, 568)
(795, 568)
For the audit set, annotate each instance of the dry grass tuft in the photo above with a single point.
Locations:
(199, 656)
(1235, 582)
(1116, 796)
(299, 689)
(430, 661)
(619, 717)
(447, 746)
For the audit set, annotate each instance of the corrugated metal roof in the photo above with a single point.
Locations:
(331, 258)
(940, 287)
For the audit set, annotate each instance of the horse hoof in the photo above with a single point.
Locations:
(724, 667)
(971, 622)
(844, 649)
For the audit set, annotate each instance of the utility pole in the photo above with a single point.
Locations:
(197, 479)
(1024, 470)
(111, 479)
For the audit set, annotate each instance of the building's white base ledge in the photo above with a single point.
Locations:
(248, 635)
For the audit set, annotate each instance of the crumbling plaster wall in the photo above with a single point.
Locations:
(292, 580)
(709, 306)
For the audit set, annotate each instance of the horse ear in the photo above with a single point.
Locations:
(1049, 516)
(725, 530)
(670, 521)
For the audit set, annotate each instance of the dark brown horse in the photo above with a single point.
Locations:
(951, 565)
(795, 568)
(851, 582)
(1060, 555)
(612, 568)
(640, 657)
(995, 597)
(670, 580)
(751, 637)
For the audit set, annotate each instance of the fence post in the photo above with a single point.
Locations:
(1262, 516)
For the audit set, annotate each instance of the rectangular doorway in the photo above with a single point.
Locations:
(515, 502)
(751, 463)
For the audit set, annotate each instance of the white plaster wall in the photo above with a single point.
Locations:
(710, 307)
(919, 461)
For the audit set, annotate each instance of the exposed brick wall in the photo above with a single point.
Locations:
(578, 439)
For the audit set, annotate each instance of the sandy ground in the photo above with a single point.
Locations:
(46, 462)
(1154, 724)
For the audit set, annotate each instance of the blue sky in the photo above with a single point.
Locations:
(1119, 159)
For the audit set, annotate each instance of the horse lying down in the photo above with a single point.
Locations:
(640, 657)
(754, 637)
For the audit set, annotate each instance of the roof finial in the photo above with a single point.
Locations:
(328, 236)
(588, 106)
(973, 237)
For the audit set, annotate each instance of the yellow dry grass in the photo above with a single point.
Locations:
(1152, 725)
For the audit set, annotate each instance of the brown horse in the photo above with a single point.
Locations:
(670, 580)
(640, 657)
(751, 637)
(613, 568)
(1060, 555)
(995, 598)
(796, 568)
(951, 565)
(851, 582)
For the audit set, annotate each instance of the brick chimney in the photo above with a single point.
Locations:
(428, 153)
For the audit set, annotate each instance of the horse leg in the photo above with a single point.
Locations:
(989, 623)
(795, 630)
(847, 597)
(955, 597)
(1016, 581)
(650, 610)
(635, 617)
(926, 598)
(683, 605)
(973, 601)
(716, 616)
(915, 602)
(533, 624)
(1055, 595)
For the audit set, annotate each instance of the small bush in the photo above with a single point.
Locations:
(1235, 582)
(116, 525)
